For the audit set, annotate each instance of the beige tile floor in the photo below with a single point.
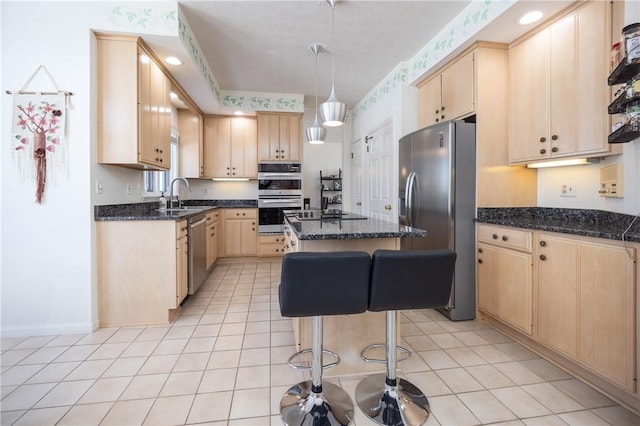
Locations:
(223, 362)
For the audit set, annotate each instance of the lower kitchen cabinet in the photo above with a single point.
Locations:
(504, 274)
(213, 236)
(270, 245)
(586, 304)
(570, 297)
(182, 262)
(142, 271)
(240, 232)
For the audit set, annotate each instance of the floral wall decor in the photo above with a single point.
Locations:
(38, 131)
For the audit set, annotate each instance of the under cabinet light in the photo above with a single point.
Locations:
(230, 179)
(562, 163)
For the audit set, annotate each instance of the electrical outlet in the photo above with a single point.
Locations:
(206, 191)
(128, 191)
(568, 190)
(99, 187)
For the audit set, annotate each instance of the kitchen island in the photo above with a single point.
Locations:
(346, 335)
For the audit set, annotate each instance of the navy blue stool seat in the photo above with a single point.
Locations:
(314, 285)
(402, 280)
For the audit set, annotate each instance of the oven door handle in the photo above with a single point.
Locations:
(280, 200)
(292, 176)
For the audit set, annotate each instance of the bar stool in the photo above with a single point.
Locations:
(317, 284)
(402, 280)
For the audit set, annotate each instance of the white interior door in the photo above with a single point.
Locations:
(356, 177)
(379, 159)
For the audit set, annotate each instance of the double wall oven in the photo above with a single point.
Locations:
(279, 189)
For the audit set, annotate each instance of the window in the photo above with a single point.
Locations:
(156, 182)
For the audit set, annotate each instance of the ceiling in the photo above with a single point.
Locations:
(263, 46)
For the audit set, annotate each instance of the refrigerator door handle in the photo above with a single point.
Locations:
(409, 197)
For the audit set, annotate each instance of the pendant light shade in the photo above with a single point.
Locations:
(316, 133)
(333, 111)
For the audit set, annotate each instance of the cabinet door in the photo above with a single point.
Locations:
(557, 293)
(529, 99)
(290, 136)
(563, 86)
(592, 97)
(217, 147)
(429, 102)
(182, 278)
(606, 326)
(249, 237)
(190, 146)
(268, 137)
(457, 89)
(516, 288)
(244, 148)
(145, 143)
(233, 237)
(488, 276)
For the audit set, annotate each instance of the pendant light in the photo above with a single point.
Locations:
(333, 111)
(316, 133)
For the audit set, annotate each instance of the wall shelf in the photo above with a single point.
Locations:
(624, 134)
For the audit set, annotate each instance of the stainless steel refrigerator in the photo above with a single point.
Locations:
(437, 193)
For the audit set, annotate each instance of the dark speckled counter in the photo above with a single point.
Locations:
(337, 229)
(588, 223)
(149, 211)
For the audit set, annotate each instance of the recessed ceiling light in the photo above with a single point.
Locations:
(238, 113)
(172, 60)
(530, 17)
(173, 95)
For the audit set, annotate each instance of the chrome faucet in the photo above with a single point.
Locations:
(186, 184)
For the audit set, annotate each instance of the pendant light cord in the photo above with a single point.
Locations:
(316, 53)
(333, 46)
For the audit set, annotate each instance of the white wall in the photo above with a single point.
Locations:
(47, 282)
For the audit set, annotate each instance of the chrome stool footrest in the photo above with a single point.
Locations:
(407, 353)
(306, 367)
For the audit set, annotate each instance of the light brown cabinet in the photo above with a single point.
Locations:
(558, 95)
(230, 147)
(483, 92)
(240, 232)
(586, 304)
(279, 136)
(142, 271)
(182, 260)
(504, 275)
(213, 237)
(449, 94)
(134, 107)
(190, 148)
(271, 245)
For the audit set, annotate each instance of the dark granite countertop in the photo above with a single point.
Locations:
(588, 223)
(341, 229)
(149, 210)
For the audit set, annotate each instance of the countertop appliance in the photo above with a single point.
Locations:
(437, 193)
(279, 188)
(197, 251)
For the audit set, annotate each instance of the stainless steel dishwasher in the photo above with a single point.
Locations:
(197, 251)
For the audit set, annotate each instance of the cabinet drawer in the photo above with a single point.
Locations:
(269, 250)
(505, 237)
(213, 216)
(181, 229)
(271, 239)
(240, 213)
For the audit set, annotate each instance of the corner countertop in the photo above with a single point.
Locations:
(342, 229)
(149, 210)
(588, 223)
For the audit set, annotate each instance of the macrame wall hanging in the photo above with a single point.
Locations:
(38, 129)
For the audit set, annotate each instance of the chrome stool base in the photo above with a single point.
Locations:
(300, 406)
(399, 405)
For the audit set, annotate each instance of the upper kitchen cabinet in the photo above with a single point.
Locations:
(279, 136)
(230, 147)
(134, 107)
(558, 95)
(190, 148)
(476, 82)
(449, 94)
